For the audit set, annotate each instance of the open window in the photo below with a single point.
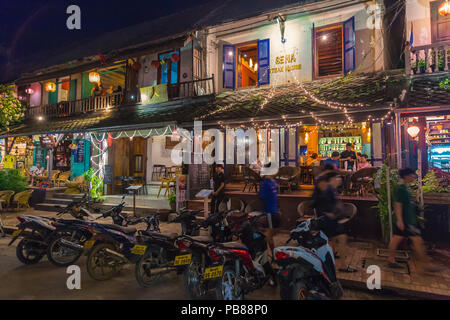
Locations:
(169, 71)
(334, 49)
(440, 25)
(246, 65)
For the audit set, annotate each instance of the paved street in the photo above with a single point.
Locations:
(45, 281)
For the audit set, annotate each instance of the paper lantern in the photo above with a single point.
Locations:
(175, 57)
(109, 140)
(155, 64)
(413, 131)
(94, 77)
(444, 9)
(73, 146)
(29, 91)
(50, 87)
(137, 66)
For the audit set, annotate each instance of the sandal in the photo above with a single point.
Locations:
(349, 269)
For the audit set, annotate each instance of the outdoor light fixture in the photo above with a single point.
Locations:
(40, 118)
(230, 53)
(73, 146)
(306, 137)
(324, 38)
(50, 87)
(94, 77)
(444, 8)
(29, 91)
(256, 67)
(413, 130)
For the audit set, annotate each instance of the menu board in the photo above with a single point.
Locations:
(109, 176)
(79, 156)
(39, 155)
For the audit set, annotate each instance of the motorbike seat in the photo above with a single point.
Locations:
(202, 238)
(168, 235)
(126, 230)
(234, 245)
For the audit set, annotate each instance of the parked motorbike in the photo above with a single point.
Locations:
(246, 266)
(165, 253)
(307, 272)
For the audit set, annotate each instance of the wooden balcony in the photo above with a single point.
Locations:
(194, 88)
(428, 59)
(67, 108)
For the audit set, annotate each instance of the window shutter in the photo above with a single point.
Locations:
(349, 45)
(263, 61)
(73, 90)
(229, 52)
(53, 96)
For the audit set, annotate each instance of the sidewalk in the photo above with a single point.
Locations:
(406, 282)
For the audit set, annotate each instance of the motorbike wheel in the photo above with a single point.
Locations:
(100, 265)
(192, 277)
(294, 291)
(29, 252)
(228, 287)
(60, 255)
(143, 270)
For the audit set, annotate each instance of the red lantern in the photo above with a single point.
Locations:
(109, 140)
(175, 57)
(137, 66)
(155, 64)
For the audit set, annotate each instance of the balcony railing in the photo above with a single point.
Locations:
(66, 108)
(427, 59)
(193, 88)
(182, 90)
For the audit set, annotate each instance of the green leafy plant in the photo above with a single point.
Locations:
(11, 110)
(95, 185)
(421, 64)
(10, 179)
(445, 84)
(381, 192)
(432, 183)
(172, 198)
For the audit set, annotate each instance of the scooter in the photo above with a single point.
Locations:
(246, 266)
(307, 272)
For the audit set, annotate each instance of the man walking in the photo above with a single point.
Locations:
(219, 188)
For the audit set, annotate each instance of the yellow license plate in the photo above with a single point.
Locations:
(213, 272)
(17, 232)
(89, 244)
(182, 260)
(139, 249)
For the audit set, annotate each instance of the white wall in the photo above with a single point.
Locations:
(298, 32)
(156, 154)
(35, 98)
(418, 13)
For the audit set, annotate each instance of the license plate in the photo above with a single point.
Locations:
(182, 260)
(139, 249)
(213, 272)
(89, 244)
(16, 233)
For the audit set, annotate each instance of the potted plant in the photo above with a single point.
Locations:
(95, 185)
(441, 60)
(172, 201)
(421, 65)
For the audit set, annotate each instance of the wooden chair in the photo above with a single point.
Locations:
(55, 174)
(252, 179)
(159, 170)
(5, 196)
(77, 185)
(41, 178)
(287, 177)
(63, 177)
(167, 184)
(21, 199)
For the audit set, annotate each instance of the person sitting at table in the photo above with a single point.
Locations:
(334, 160)
(363, 162)
(257, 165)
(35, 173)
(313, 161)
(349, 156)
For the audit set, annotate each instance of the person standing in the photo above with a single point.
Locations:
(349, 156)
(405, 223)
(268, 192)
(219, 188)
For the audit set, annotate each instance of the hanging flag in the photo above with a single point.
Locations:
(411, 36)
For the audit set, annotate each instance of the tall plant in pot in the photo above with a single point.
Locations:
(172, 201)
(381, 192)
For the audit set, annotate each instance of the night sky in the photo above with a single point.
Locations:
(30, 26)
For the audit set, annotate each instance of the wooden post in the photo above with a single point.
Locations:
(388, 189)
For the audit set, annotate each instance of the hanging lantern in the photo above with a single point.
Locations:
(155, 64)
(50, 87)
(109, 140)
(175, 57)
(306, 137)
(444, 8)
(413, 130)
(94, 77)
(72, 146)
(137, 66)
(29, 91)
